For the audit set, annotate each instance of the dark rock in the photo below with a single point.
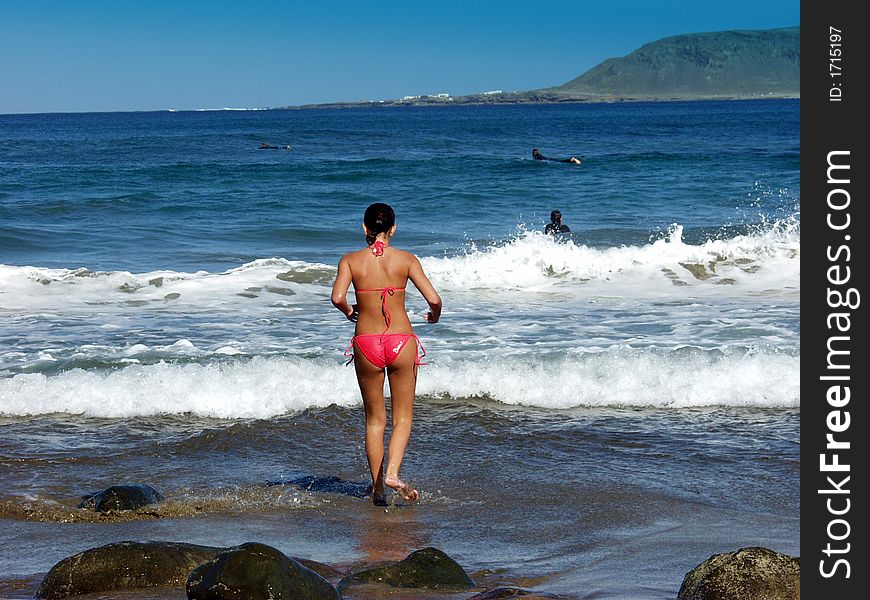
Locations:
(124, 565)
(429, 568)
(748, 574)
(122, 497)
(326, 484)
(321, 569)
(511, 592)
(256, 571)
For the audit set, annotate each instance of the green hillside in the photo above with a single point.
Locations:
(699, 65)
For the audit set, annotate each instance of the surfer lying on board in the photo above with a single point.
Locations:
(536, 154)
(265, 146)
(384, 341)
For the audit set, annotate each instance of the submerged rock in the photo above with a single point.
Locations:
(748, 574)
(512, 592)
(429, 568)
(122, 497)
(326, 484)
(255, 571)
(124, 565)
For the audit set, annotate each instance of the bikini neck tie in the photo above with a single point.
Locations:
(378, 248)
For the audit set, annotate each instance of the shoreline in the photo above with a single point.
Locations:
(426, 103)
(322, 538)
(532, 101)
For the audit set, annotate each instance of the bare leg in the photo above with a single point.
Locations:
(371, 385)
(403, 385)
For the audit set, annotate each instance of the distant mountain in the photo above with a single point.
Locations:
(763, 63)
(724, 64)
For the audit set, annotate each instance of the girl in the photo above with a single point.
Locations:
(384, 340)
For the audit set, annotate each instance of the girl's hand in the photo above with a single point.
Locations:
(431, 318)
(353, 315)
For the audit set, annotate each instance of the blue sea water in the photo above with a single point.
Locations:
(144, 191)
(161, 276)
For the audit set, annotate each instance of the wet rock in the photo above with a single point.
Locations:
(256, 571)
(429, 569)
(697, 271)
(326, 484)
(122, 497)
(282, 291)
(511, 592)
(321, 569)
(748, 574)
(124, 565)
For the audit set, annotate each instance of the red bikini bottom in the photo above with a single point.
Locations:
(382, 349)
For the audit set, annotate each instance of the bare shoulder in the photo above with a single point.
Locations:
(352, 257)
(406, 257)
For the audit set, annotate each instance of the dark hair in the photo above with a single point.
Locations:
(555, 216)
(378, 218)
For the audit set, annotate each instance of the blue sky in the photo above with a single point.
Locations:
(68, 56)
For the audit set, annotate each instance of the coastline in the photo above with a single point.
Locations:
(522, 99)
(435, 102)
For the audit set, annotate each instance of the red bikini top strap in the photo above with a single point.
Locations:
(385, 291)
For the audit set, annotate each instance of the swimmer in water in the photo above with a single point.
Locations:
(536, 154)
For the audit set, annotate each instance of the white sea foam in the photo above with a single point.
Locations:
(534, 261)
(264, 387)
(766, 262)
(258, 388)
(257, 282)
(624, 377)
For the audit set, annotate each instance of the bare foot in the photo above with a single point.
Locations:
(378, 497)
(402, 488)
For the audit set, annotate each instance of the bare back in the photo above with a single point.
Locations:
(392, 269)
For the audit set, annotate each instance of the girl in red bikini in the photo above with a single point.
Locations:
(384, 341)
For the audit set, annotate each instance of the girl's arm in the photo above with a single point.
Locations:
(416, 275)
(339, 290)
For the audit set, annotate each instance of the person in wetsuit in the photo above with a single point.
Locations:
(555, 225)
(536, 154)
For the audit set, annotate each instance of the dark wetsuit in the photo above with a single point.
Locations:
(556, 228)
(538, 156)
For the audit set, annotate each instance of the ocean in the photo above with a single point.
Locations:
(600, 411)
